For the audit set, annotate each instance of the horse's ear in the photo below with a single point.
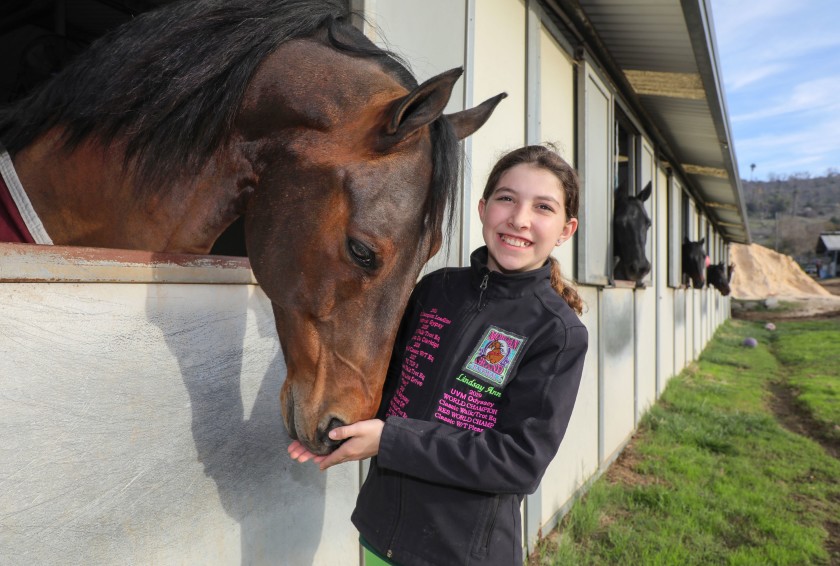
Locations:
(686, 240)
(645, 194)
(466, 122)
(702, 240)
(420, 107)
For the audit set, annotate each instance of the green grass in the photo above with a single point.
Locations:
(712, 477)
(810, 353)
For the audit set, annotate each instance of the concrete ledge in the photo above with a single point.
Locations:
(63, 264)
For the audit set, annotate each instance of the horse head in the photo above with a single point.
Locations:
(630, 228)
(694, 262)
(164, 133)
(717, 277)
(352, 178)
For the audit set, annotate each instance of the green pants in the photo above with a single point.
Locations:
(373, 558)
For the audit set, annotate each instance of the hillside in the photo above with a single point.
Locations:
(787, 214)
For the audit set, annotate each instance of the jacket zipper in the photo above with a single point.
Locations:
(495, 513)
(482, 287)
(390, 553)
(455, 341)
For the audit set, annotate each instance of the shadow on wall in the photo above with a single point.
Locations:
(140, 424)
(232, 368)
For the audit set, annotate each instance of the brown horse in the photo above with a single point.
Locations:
(165, 132)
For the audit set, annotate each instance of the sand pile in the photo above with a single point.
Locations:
(761, 273)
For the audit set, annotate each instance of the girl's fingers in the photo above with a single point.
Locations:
(298, 452)
(343, 432)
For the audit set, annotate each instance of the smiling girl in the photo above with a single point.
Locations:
(481, 386)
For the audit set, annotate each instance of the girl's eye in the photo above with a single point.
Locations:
(546, 208)
(361, 254)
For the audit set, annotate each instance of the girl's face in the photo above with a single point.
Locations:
(524, 219)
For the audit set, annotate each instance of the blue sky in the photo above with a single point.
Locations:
(781, 73)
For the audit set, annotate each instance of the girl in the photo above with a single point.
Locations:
(481, 386)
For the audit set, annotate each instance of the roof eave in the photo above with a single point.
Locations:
(702, 33)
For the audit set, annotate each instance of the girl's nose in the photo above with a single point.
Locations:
(519, 218)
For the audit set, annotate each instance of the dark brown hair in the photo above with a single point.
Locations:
(545, 157)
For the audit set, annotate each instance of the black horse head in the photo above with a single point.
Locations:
(694, 262)
(719, 278)
(630, 227)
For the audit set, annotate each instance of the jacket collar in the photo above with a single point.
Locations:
(506, 285)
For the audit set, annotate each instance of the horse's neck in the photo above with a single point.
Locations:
(84, 198)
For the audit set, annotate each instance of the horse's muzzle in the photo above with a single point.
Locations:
(324, 438)
(317, 443)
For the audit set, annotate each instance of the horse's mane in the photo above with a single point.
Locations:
(170, 82)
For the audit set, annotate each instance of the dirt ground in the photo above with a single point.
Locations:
(767, 285)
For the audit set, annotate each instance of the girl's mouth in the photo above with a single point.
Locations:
(514, 241)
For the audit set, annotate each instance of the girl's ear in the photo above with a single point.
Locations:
(568, 230)
(482, 204)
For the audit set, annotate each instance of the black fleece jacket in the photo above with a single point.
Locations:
(479, 393)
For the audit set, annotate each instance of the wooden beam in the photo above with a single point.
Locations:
(671, 85)
(705, 171)
(723, 206)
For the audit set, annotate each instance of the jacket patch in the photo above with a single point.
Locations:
(493, 357)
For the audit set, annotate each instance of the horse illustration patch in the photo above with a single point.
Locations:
(493, 357)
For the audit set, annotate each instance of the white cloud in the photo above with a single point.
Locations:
(812, 97)
(747, 78)
(736, 21)
(814, 146)
(779, 61)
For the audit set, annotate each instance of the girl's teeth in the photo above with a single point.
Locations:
(515, 242)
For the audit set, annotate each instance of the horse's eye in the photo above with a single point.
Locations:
(360, 253)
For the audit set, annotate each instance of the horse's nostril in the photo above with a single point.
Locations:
(334, 423)
(323, 434)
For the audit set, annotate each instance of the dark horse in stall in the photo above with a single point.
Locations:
(167, 130)
(694, 263)
(719, 277)
(630, 228)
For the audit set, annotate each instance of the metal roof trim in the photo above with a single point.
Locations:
(700, 24)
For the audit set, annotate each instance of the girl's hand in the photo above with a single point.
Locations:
(362, 441)
(298, 452)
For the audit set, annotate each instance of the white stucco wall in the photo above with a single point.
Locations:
(664, 294)
(140, 424)
(618, 385)
(557, 116)
(498, 66)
